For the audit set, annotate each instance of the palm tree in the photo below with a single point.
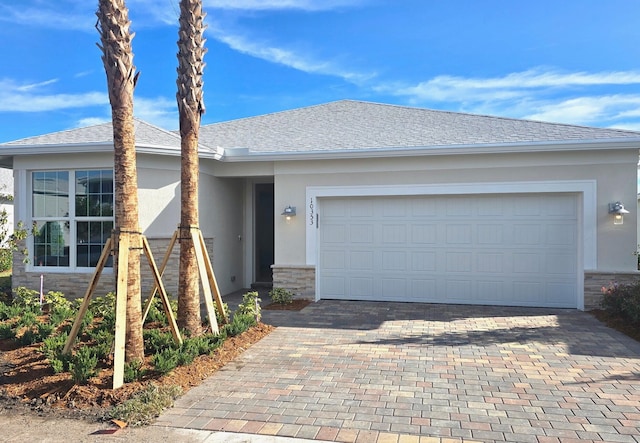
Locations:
(113, 26)
(191, 107)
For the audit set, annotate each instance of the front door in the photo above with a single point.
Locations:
(263, 233)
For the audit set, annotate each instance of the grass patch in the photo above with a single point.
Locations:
(145, 406)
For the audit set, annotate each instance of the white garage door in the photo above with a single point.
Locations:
(518, 250)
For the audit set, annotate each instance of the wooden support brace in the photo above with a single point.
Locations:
(163, 266)
(102, 261)
(206, 288)
(163, 293)
(212, 278)
(121, 311)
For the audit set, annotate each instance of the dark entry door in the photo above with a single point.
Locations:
(264, 232)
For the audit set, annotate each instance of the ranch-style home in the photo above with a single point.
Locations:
(352, 200)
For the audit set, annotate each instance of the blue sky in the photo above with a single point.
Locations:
(569, 61)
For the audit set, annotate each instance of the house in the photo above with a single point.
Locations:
(6, 205)
(353, 200)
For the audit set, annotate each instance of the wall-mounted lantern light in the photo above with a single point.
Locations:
(289, 211)
(618, 211)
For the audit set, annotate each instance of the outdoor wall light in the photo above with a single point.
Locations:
(618, 211)
(289, 211)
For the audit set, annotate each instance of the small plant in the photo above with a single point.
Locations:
(7, 331)
(166, 360)
(83, 365)
(103, 342)
(623, 300)
(281, 296)
(60, 313)
(141, 409)
(250, 305)
(102, 306)
(133, 371)
(241, 322)
(28, 319)
(8, 312)
(222, 319)
(52, 348)
(155, 341)
(26, 298)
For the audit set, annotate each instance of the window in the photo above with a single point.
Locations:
(70, 235)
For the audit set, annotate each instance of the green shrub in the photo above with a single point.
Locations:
(83, 365)
(26, 298)
(60, 314)
(7, 331)
(281, 296)
(103, 306)
(28, 319)
(166, 360)
(250, 305)
(133, 371)
(156, 340)
(6, 259)
(52, 348)
(103, 342)
(7, 312)
(222, 319)
(240, 323)
(623, 300)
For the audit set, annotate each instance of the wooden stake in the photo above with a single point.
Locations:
(163, 293)
(121, 311)
(206, 288)
(102, 261)
(212, 278)
(165, 260)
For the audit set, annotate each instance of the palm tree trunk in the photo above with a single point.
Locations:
(113, 26)
(191, 106)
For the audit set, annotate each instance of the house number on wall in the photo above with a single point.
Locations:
(311, 215)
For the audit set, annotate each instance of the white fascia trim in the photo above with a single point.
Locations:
(587, 256)
(239, 154)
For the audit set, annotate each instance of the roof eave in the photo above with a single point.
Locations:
(244, 155)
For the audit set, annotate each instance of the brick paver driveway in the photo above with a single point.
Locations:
(356, 371)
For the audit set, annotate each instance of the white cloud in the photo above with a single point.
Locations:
(15, 97)
(61, 14)
(159, 111)
(91, 121)
(538, 94)
(287, 57)
(261, 5)
(510, 86)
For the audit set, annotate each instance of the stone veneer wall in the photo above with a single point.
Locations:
(595, 280)
(74, 285)
(299, 279)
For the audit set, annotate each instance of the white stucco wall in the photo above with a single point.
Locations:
(613, 171)
(221, 208)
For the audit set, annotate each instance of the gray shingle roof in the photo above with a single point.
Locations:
(348, 125)
(146, 135)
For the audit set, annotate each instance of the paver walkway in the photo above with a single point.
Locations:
(397, 372)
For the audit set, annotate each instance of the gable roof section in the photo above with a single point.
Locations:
(347, 126)
(146, 135)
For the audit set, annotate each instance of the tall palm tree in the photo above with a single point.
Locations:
(113, 26)
(191, 107)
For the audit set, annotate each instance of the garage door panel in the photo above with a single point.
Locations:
(394, 234)
(423, 261)
(494, 249)
(424, 233)
(394, 261)
(359, 233)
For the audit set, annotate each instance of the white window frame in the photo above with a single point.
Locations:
(72, 219)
